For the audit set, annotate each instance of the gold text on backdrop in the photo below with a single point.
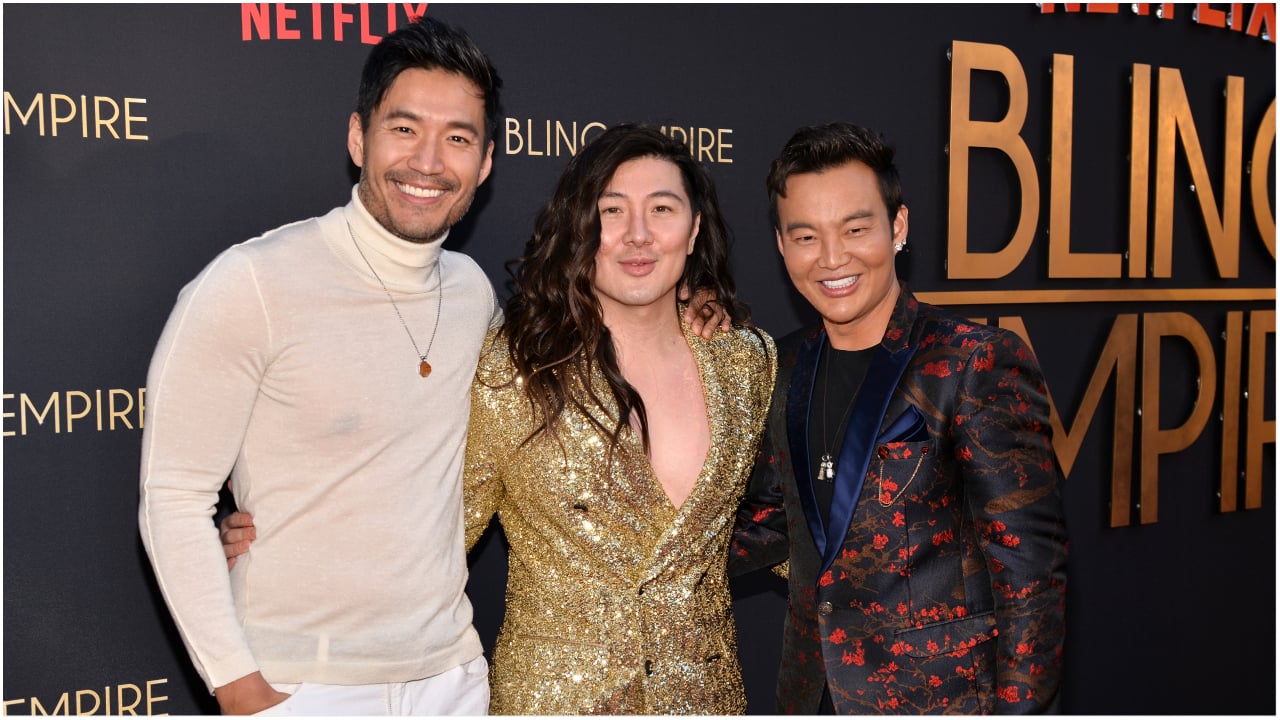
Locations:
(100, 117)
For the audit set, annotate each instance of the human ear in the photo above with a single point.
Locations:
(355, 140)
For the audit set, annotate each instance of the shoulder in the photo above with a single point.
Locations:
(937, 324)
(743, 358)
(292, 237)
(968, 346)
(281, 252)
(464, 269)
(495, 368)
(463, 273)
(745, 340)
(745, 351)
(789, 345)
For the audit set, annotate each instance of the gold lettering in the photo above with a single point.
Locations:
(72, 415)
(122, 414)
(54, 118)
(121, 707)
(106, 112)
(513, 131)
(1002, 135)
(130, 119)
(6, 414)
(1155, 440)
(529, 135)
(569, 139)
(1263, 214)
(1062, 262)
(1139, 169)
(62, 708)
(706, 143)
(153, 699)
(1175, 118)
(36, 107)
(124, 705)
(40, 416)
(111, 409)
(1259, 431)
(592, 126)
(100, 121)
(560, 138)
(723, 145)
(80, 708)
(1227, 481)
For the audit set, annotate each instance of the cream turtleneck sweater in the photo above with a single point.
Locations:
(285, 367)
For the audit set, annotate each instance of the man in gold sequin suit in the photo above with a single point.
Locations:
(907, 473)
(615, 444)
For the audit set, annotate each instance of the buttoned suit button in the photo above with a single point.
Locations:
(824, 608)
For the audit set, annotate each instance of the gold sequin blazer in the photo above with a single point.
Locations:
(617, 602)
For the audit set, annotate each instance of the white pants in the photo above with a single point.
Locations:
(464, 690)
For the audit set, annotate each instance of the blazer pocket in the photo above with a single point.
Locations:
(948, 637)
(909, 427)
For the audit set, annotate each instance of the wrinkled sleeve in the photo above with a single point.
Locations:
(1013, 486)
(201, 389)
(760, 529)
(482, 488)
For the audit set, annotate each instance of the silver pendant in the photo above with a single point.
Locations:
(826, 468)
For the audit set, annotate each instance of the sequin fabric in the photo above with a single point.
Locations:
(617, 602)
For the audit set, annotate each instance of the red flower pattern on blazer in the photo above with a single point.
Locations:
(947, 594)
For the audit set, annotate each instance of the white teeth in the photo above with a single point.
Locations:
(842, 283)
(419, 192)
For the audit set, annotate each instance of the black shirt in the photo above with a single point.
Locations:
(838, 377)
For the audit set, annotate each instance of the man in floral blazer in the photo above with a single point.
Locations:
(907, 473)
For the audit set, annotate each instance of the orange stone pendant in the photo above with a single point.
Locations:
(424, 369)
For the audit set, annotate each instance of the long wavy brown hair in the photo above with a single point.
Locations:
(554, 324)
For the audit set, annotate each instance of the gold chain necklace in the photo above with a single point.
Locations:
(880, 493)
(424, 367)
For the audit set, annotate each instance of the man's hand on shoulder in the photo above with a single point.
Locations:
(248, 695)
(704, 314)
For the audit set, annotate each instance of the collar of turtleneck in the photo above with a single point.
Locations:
(402, 265)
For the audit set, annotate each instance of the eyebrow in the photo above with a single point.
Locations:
(856, 215)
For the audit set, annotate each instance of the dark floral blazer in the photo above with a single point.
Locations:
(939, 583)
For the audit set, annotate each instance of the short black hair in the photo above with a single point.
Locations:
(822, 147)
(428, 44)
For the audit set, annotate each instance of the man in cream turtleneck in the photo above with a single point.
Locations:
(325, 367)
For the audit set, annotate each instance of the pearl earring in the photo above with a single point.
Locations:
(897, 247)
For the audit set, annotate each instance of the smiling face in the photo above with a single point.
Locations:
(647, 229)
(423, 155)
(837, 242)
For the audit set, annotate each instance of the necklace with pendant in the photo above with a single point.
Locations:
(827, 465)
(424, 367)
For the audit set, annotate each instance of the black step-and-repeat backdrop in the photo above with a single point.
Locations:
(1098, 177)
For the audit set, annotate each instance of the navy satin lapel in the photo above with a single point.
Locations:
(859, 440)
(799, 396)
